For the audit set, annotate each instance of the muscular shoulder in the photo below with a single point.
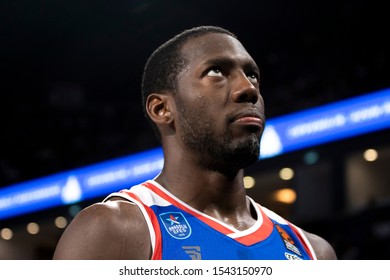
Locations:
(322, 248)
(110, 230)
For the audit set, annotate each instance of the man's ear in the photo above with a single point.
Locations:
(158, 108)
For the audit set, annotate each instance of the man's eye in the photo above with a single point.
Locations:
(214, 72)
(252, 77)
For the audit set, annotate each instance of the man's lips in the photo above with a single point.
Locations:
(249, 120)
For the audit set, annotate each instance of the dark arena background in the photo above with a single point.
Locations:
(70, 100)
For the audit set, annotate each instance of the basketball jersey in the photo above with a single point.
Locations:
(179, 232)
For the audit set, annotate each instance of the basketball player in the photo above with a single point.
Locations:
(201, 93)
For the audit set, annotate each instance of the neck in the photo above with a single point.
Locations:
(203, 188)
(211, 192)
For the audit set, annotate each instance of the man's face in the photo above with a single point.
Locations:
(220, 112)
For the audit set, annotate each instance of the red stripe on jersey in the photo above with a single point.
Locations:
(157, 253)
(217, 226)
(260, 234)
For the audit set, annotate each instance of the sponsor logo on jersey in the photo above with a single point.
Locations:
(288, 241)
(176, 225)
(292, 257)
(193, 252)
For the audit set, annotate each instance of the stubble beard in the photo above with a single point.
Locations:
(225, 153)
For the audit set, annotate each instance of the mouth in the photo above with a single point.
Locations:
(252, 119)
(249, 120)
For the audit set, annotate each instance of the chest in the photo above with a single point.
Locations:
(186, 236)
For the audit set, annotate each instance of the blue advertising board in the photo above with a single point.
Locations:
(348, 118)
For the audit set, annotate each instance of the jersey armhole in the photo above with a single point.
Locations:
(150, 218)
(306, 243)
(298, 232)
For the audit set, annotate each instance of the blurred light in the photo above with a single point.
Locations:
(32, 228)
(311, 157)
(285, 195)
(370, 155)
(61, 222)
(249, 182)
(286, 173)
(6, 234)
(69, 187)
(74, 209)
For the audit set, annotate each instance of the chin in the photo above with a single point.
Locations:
(244, 156)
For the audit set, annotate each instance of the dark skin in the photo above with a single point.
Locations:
(217, 107)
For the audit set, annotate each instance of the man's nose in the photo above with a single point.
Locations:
(243, 90)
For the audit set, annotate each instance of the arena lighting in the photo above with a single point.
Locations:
(60, 222)
(79, 184)
(335, 121)
(249, 182)
(286, 173)
(348, 118)
(32, 228)
(285, 195)
(370, 155)
(6, 233)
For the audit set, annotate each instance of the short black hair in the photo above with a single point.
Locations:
(166, 62)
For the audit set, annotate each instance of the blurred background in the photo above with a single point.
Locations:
(70, 98)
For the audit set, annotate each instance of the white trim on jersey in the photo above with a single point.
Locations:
(308, 244)
(252, 229)
(152, 233)
(236, 233)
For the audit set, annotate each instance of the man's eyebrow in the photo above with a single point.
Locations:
(228, 62)
(221, 61)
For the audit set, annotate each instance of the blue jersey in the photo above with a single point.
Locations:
(180, 232)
